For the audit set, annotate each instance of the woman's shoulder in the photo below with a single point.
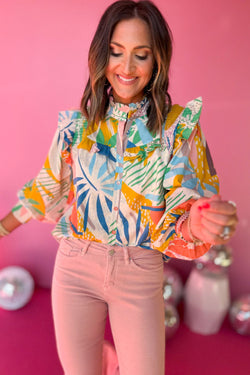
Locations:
(70, 118)
(183, 118)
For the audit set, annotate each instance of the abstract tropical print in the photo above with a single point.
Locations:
(118, 183)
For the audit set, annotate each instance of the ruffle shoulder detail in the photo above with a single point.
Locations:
(69, 124)
(181, 121)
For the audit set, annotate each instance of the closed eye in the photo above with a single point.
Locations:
(142, 57)
(115, 54)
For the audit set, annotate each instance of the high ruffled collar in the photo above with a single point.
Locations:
(122, 111)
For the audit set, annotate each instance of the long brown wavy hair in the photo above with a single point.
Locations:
(94, 102)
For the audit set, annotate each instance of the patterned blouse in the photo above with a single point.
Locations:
(118, 183)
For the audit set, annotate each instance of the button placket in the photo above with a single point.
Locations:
(120, 149)
(117, 188)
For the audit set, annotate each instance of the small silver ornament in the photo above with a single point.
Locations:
(239, 315)
(172, 320)
(16, 287)
(219, 257)
(172, 285)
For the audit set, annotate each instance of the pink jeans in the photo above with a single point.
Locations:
(91, 280)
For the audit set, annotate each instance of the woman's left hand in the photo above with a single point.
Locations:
(213, 220)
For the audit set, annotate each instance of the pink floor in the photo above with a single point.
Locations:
(27, 345)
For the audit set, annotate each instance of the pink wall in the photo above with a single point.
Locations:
(44, 48)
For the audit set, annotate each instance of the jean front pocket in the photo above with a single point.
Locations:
(150, 261)
(68, 248)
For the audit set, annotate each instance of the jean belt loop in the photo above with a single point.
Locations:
(126, 255)
(85, 247)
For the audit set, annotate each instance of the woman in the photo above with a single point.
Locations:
(130, 183)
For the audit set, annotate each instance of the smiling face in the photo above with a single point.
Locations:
(131, 60)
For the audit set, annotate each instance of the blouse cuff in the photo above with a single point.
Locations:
(21, 213)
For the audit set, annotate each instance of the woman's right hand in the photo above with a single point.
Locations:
(213, 220)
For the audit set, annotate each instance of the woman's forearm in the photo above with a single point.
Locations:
(9, 222)
(185, 231)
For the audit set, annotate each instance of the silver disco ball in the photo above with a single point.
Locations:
(16, 287)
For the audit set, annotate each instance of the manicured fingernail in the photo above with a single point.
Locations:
(206, 205)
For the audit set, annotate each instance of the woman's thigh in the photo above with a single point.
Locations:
(136, 312)
(78, 311)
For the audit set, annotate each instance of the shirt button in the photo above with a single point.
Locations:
(116, 208)
(113, 232)
(118, 182)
